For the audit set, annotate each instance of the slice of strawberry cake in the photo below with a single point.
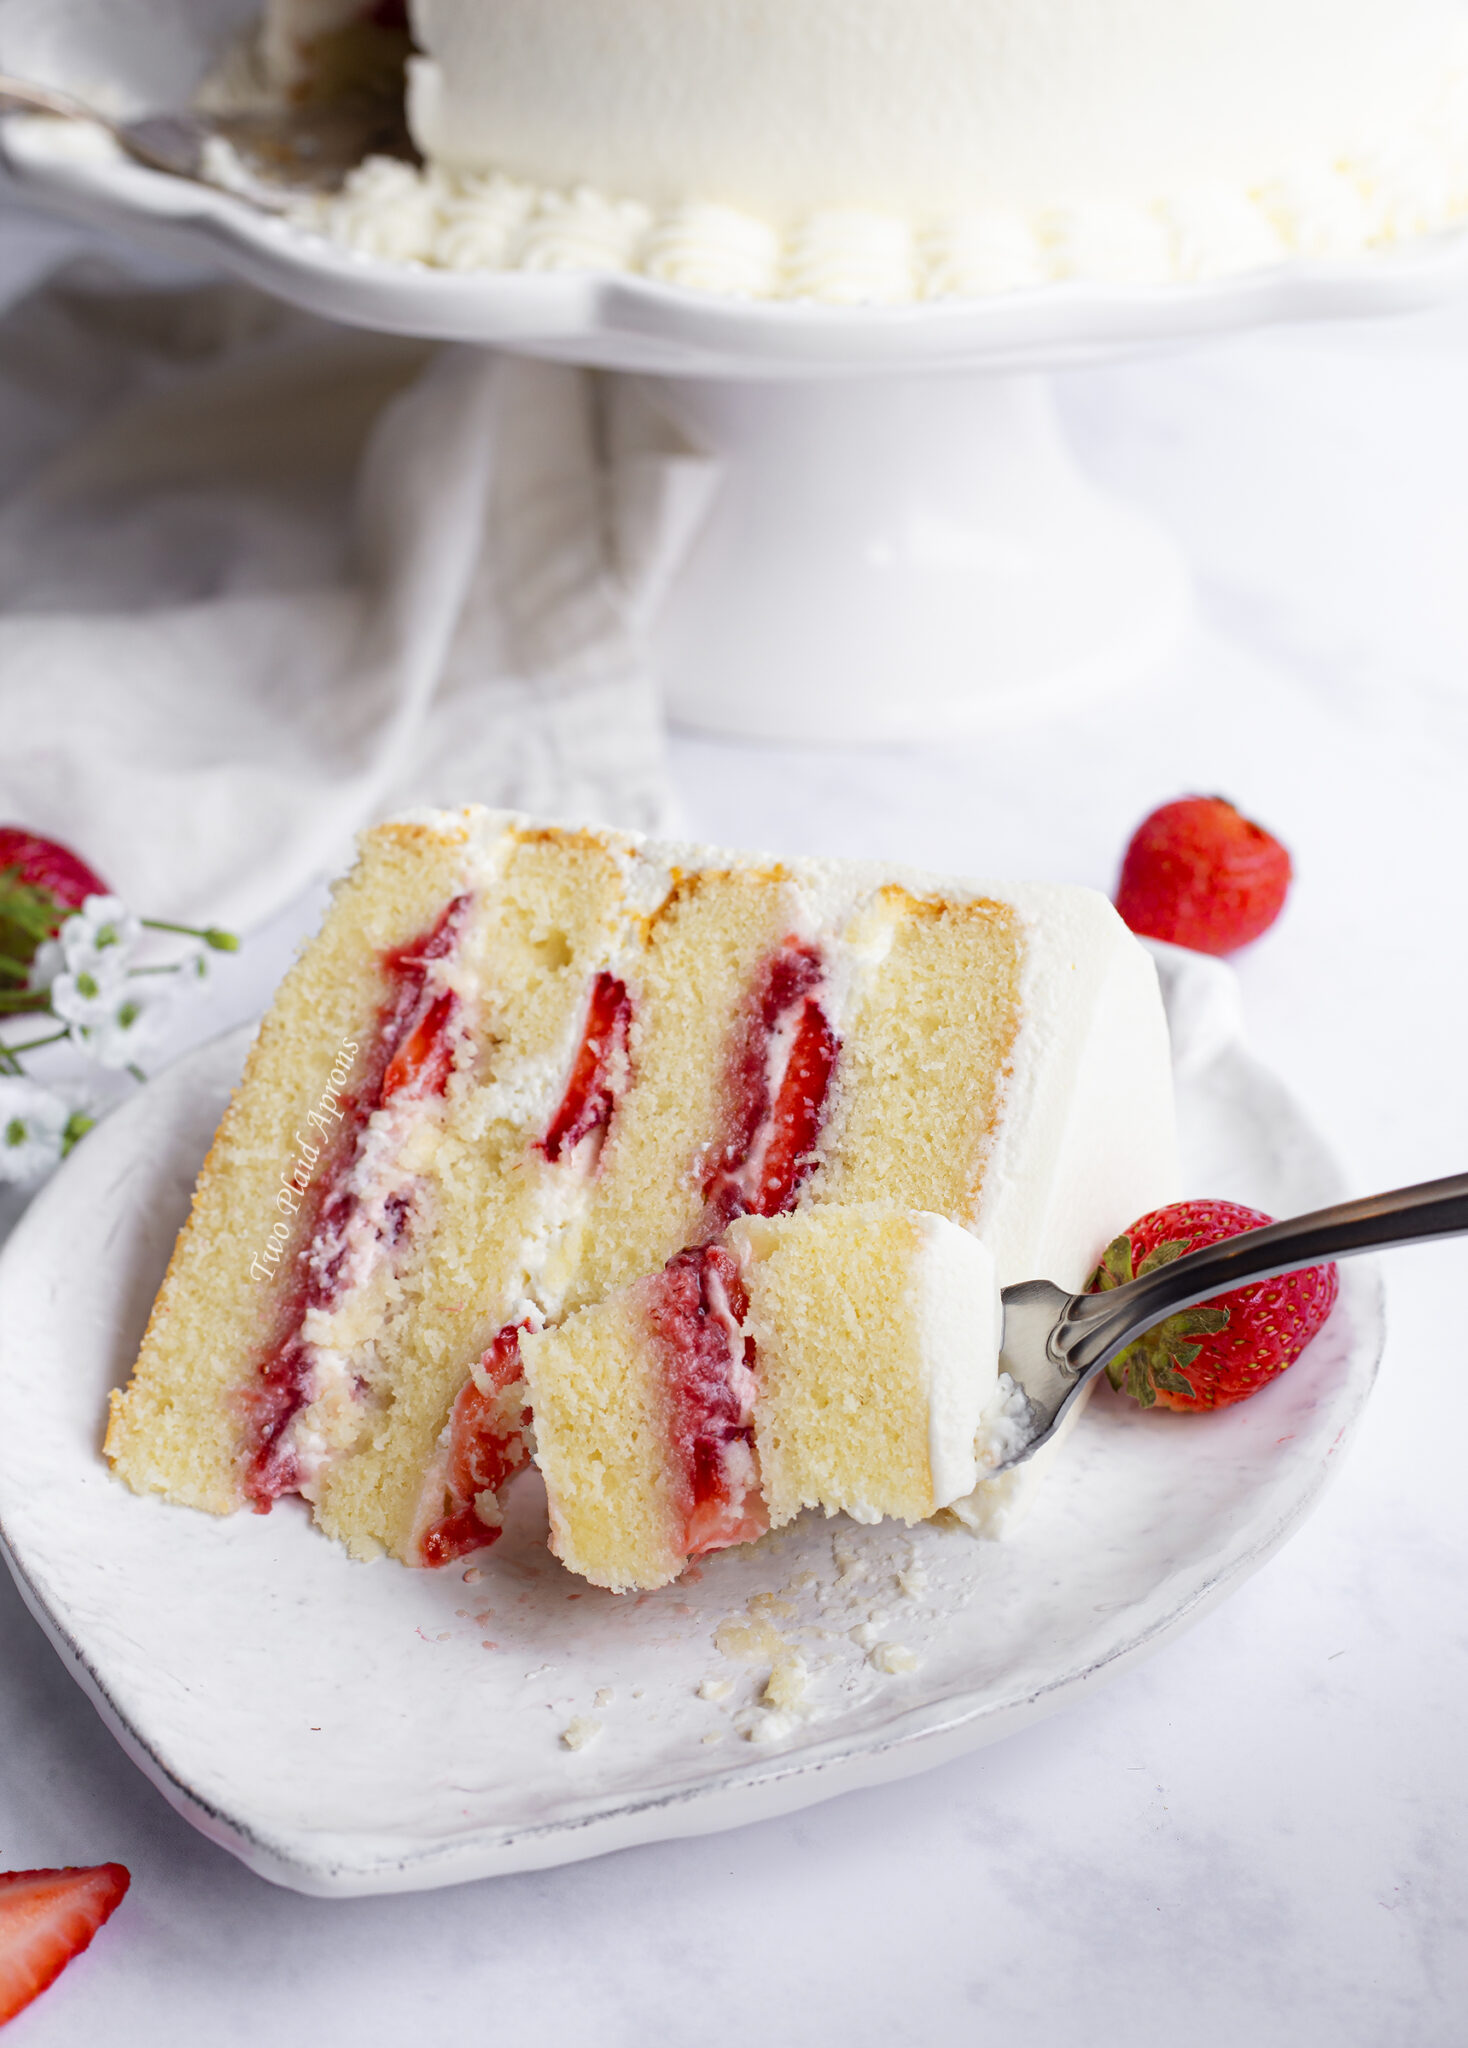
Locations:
(843, 1357)
(523, 1067)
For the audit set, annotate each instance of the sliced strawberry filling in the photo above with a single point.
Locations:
(696, 1306)
(489, 1442)
(784, 1058)
(411, 1058)
(599, 1073)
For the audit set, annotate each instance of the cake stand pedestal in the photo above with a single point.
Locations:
(901, 546)
(896, 557)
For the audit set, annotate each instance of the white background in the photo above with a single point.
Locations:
(1257, 1838)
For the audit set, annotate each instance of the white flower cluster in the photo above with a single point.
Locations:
(38, 1128)
(110, 1004)
(90, 973)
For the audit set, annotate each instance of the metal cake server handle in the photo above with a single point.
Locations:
(1055, 1343)
(295, 152)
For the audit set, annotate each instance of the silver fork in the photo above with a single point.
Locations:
(1055, 1343)
(286, 154)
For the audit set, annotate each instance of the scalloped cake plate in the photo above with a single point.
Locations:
(151, 53)
(348, 1728)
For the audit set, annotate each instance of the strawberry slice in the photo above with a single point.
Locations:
(795, 1122)
(599, 1073)
(489, 1442)
(47, 1917)
(425, 1059)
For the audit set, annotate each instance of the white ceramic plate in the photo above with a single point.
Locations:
(142, 54)
(360, 1728)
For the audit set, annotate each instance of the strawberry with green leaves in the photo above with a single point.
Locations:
(41, 882)
(1225, 1349)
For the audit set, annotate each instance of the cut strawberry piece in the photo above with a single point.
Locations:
(696, 1305)
(600, 1073)
(454, 1536)
(489, 1442)
(425, 1059)
(47, 1917)
(487, 1431)
(795, 1122)
(784, 1060)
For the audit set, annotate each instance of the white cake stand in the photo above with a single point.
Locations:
(901, 547)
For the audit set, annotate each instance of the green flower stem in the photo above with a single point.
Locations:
(13, 1001)
(221, 941)
(34, 1044)
(16, 970)
(136, 1071)
(153, 970)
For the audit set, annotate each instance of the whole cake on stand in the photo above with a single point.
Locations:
(840, 245)
(898, 149)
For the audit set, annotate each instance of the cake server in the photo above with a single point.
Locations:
(283, 155)
(1055, 1343)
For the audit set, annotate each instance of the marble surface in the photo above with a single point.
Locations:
(1257, 1836)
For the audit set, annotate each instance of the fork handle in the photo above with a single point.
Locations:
(1095, 1327)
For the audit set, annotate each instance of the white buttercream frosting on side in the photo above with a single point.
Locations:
(714, 249)
(860, 153)
(959, 1326)
(1109, 241)
(583, 230)
(847, 258)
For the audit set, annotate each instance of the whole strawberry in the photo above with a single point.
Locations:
(40, 881)
(1198, 873)
(38, 863)
(1228, 1348)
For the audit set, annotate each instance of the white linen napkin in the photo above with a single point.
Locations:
(263, 579)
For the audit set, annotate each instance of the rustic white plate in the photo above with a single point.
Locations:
(360, 1728)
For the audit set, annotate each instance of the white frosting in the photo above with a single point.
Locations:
(879, 151)
(959, 1326)
(917, 105)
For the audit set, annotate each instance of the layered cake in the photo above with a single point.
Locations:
(891, 149)
(843, 1357)
(524, 1070)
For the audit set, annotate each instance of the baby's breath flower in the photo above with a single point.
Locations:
(89, 996)
(49, 961)
(125, 1026)
(33, 1127)
(103, 934)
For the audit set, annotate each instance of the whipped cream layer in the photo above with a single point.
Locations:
(884, 151)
